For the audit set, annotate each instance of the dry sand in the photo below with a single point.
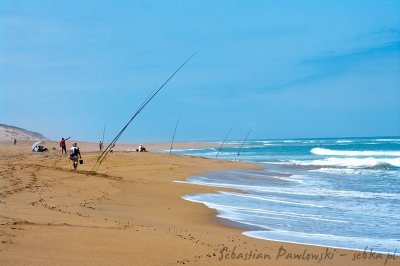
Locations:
(128, 213)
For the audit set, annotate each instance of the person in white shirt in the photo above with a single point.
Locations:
(75, 154)
(141, 148)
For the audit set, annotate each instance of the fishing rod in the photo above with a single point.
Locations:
(142, 106)
(173, 137)
(137, 112)
(112, 143)
(241, 146)
(148, 99)
(223, 142)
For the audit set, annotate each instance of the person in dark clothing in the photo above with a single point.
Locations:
(75, 155)
(63, 146)
(141, 148)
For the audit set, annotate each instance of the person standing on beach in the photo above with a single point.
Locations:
(15, 141)
(75, 155)
(63, 146)
(101, 145)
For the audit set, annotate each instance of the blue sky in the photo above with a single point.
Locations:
(286, 69)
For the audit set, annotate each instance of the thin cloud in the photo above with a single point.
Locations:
(358, 54)
(334, 64)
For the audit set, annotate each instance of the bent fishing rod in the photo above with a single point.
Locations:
(142, 106)
(241, 146)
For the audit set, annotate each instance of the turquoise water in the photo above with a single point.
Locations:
(331, 192)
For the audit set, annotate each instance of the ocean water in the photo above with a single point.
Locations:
(331, 192)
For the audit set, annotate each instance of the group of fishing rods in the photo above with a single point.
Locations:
(150, 97)
(241, 145)
(222, 143)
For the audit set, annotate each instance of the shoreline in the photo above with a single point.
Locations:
(125, 212)
(254, 228)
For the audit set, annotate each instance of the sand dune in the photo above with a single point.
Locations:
(10, 132)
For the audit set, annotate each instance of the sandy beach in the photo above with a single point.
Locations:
(130, 212)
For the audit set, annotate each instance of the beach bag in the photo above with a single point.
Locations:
(81, 161)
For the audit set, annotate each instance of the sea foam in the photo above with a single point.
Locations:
(322, 151)
(352, 162)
